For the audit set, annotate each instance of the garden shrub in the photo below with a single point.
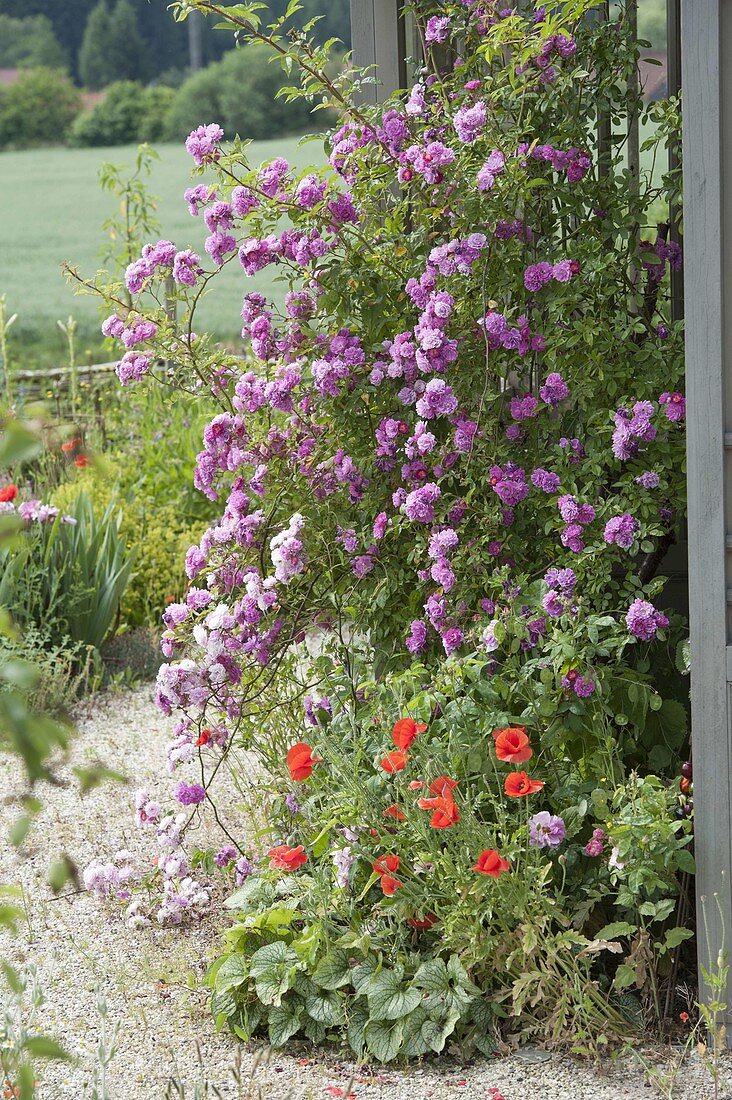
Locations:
(29, 42)
(128, 113)
(62, 671)
(67, 575)
(240, 91)
(37, 109)
(154, 107)
(159, 518)
(445, 493)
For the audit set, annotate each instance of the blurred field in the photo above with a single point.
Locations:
(52, 208)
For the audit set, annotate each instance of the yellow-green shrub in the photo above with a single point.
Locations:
(159, 533)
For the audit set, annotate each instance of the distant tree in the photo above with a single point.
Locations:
(167, 41)
(128, 113)
(38, 109)
(131, 57)
(239, 93)
(30, 43)
(96, 59)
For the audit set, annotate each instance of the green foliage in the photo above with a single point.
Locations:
(29, 44)
(128, 113)
(95, 62)
(163, 37)
(484, 914)
(285, 977)
(153, 107)
(62, 671)
(131, 58)
(159, 517)
(20, 1045)
(135, 215)
(37, 109)
(239, 92)
(112, 49)
(68, 579)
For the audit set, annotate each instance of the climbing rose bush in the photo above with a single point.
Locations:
(449, 468)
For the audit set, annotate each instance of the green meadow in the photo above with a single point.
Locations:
(52, 209)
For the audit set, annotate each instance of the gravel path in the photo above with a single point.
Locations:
(149, 979)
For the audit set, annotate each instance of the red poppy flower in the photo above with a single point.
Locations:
(416, 784)
(421, 925)
(71, 445)
(443, 786)
(512, 745)
(405, 731)
(82, 461)
(385, 868)
(300, 761)
(204, 737)
(394, 761)
(395, 812)
(8, 492)
(287, 859)
(445, 812)
(519, 785)
(490, 863)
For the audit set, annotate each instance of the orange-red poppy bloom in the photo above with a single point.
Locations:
(422, 924)
(394, 761)
(385, 868)
(82, 461)
(490, 863)
(444, 811)
(287, 859)
(300, 761)
(405, 731)
(8, 492)
(519, 785)
(416, 784)
(512, 745)
(204, 737)
(443, 786)
(71, 445)
(395, 812)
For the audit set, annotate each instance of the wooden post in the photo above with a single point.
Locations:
(707, 155)
(673, 82)
(378, 39)
(195, 41)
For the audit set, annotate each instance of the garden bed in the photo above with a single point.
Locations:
(151, 979)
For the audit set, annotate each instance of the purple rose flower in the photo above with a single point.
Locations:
(545, 480)
(417, 637)
(225, 855)
(437, 29)
(420, 503)
(203, 143)
(675, 406)
(546, 830)
(189, 794)
(469, 121)
(643, 620)
(621, 530)
(554, 390)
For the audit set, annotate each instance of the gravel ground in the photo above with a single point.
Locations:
(150, 978)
